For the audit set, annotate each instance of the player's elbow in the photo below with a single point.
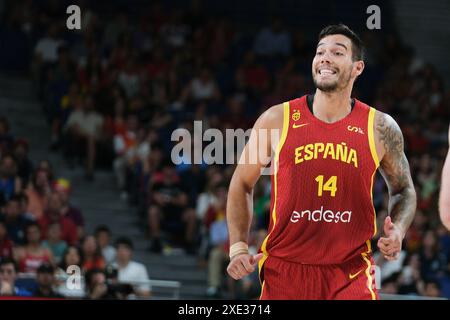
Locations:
(240, 184)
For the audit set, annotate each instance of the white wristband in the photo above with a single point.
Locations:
(238, 248)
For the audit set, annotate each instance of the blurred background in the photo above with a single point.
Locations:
(86, 118)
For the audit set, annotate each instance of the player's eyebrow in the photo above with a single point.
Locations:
(336, 43)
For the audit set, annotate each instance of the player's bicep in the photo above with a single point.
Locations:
(257, 153)
(255, 156)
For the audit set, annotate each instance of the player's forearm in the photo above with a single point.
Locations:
(444, 196)
(239, 211)
(402, 207)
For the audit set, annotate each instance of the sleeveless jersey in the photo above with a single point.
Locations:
(321, 204)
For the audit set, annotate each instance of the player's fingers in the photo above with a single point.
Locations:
(245, 262)
(233, 270)
(240, 269)
(237, 273)
(255, 259)
(383, 245)
(391, 251)
(232, 273)
(386, 241)
(388, 225)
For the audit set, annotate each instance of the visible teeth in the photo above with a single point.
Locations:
(326, 71)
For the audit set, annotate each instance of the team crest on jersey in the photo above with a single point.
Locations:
(296, 115)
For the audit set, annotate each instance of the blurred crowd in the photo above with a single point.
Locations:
(114, 91)
(44, 249)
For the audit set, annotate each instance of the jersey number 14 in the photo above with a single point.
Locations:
(329, 185)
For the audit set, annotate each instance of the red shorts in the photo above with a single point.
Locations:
(282, 280)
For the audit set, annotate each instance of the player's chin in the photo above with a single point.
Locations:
(326, 86)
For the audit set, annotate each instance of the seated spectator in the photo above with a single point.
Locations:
(15, 220)
(432, 289)
(52, 215)
(38, 192)
(103, 236)
(202, 88)
(84, 132)
(33, 254)
(97, 287)
(46, 165)
(92, 254)
(5, 289)
(255, 75)
(63, 188)
(125, 139)
(24, 207)
(433, 262)
(45, 278)
(128, 79)
(130, 271)
(169, 210)
(10, 182)
(273, 40)
(54, 242)
(46, 50)
(390, 285)
(410, 281)
(8, 276)
(6, 245)
(216, 224)
(71, 257)
(24, 164)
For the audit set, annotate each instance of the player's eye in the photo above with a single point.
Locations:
(319, 53)
(339, 53)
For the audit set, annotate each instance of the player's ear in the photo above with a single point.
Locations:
(359, 67)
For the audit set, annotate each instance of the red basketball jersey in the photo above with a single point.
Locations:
(322, 210)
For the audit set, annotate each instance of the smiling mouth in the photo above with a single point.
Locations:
(326, 72)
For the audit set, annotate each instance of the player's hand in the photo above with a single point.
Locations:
(242, 265)
(391, 244)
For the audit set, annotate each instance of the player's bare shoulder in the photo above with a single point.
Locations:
(272, 118)
(388, 135)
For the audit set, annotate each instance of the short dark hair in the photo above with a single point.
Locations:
(6, 261)
(45, 268)
(358, 50)
(102, 228)
(125, 241)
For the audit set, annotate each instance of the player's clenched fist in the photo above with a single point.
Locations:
(390, 245)
(242, 265)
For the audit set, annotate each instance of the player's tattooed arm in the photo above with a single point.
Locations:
(395, 169)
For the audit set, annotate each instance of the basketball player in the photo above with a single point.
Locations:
(322, 215)
(444, 197)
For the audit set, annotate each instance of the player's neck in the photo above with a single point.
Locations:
(331, 107)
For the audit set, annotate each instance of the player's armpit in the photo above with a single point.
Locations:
(395, 169)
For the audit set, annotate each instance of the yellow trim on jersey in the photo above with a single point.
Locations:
(275, 167)
(368, 269)
(373, 149)
(262, 290)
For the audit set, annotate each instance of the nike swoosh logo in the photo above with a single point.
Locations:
(295, 126)
(352, 276)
